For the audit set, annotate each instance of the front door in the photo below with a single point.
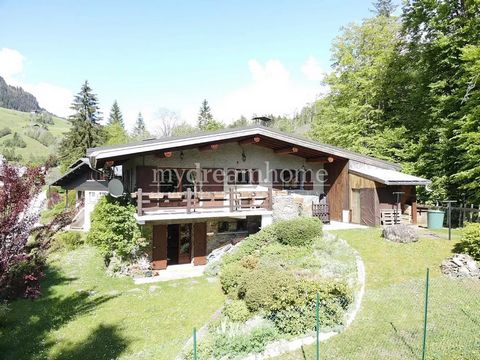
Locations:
(179, 243)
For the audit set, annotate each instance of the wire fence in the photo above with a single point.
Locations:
(460, 214)
(436, 317)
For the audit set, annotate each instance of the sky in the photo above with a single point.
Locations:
(244, 57)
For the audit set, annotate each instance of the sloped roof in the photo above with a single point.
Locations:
(385, 176)
(99, 154)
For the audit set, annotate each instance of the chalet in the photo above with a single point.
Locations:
(197, 192)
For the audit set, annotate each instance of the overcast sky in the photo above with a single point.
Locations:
(244, 57)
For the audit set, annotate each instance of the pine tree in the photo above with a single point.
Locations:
(85, 105)
(116, 115)
(205, 119)
(384, 8)
(205, 115)
(86, 132)
(139, 131)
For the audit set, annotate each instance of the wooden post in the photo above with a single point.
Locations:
(189, 199)
(230, 198)
(66, 199)
(414, 211)
(270, 198)
(139, 202)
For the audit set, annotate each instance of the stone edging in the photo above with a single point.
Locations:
(280, 347)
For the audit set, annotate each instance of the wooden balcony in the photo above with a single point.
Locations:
(189, 201)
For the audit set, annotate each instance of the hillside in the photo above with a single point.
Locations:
(12, 97)
(47, 129)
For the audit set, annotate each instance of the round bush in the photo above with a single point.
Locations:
(231, 276)
(236, 311)
(268, 288)
(298, 232)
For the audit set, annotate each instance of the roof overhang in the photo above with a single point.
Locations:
(385, 176)
(98, 156)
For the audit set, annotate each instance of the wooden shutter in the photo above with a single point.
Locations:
(200, 243)
(159, 248)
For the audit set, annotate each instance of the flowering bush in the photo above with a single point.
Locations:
(20, 268)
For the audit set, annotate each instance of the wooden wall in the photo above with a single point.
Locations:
(337, 188)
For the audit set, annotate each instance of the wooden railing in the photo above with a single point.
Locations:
(321, 211)
(191, 201)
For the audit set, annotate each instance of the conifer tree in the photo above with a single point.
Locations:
(140, 131)
(86, 132)
(206, 122)
(116, 114)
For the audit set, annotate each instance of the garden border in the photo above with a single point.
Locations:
(280, 347)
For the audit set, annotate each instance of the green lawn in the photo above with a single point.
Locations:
(83, 314)
(390, 322)
(18, 121)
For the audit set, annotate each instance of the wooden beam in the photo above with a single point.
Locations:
(209, 147)
(165, 154)
(289, 150)
(321, 159)
(254, 140)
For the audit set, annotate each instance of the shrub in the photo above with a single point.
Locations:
(470, 242)
(231, 276)
(114, 229)
(5, 131)
(268, 288)
(251, 244)
(68, 240)
(43, 136)
(11, 155)
(295, 320)
(298, 232)
(15, 141)
(236, 311)
(233, 343)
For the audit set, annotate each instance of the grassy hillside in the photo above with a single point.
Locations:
(21, 123)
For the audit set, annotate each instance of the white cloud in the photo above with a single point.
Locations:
(270, 91)
(54, 98)
(11, 63)
(312, 70)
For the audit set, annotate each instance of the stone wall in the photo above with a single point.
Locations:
(289, 206)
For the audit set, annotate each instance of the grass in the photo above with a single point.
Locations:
(83, 314)
(18, 121)
(390, 322)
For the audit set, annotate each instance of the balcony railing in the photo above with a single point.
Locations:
(198, 201)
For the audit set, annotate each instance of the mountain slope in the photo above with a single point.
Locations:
(12, 97)
(24, 123)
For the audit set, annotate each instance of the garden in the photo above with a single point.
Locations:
(271, 281)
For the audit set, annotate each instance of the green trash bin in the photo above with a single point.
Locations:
(435, 219)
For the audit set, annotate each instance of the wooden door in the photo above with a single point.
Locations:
(200, 243)
(356, 208)
(159, 247)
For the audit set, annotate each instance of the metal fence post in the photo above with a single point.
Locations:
(318, 326)
(194, 344)
(424, 346)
